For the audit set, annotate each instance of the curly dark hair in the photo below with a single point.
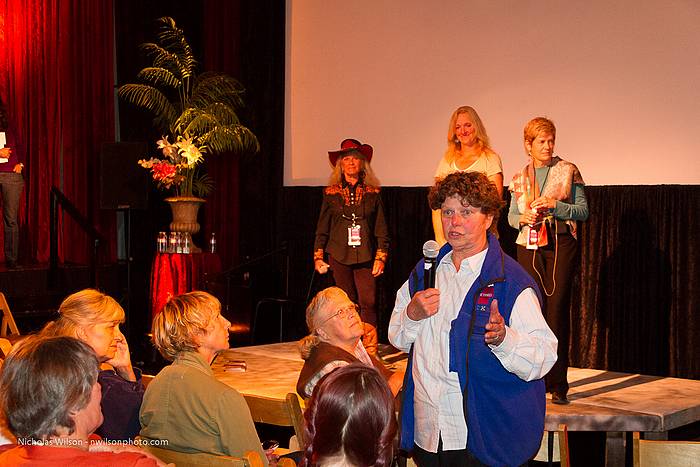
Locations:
(474, 189)
(350, 416)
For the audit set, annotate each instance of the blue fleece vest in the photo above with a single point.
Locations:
(504, 414)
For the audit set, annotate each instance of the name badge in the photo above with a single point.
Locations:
(532, 238)
(484, 299)
(354, 238)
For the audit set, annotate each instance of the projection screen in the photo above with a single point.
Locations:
(618, 78)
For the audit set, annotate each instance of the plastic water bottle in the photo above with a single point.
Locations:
(212, 243)
(162, 242)
(172, 242)
(186, 243)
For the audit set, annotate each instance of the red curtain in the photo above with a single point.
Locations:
(221, 53)
(56, 78)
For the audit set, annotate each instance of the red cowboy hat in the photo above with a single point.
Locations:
(351, 145)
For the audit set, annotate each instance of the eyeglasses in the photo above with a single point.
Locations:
(342, 313)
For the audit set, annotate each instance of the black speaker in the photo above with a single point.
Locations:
(123, 182)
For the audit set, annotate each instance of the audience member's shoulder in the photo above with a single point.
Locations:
(228, 397)
(10, 454)
(124, 458)
(6, 446)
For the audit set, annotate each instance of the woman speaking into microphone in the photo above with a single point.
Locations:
(547, 201)
(353, 231)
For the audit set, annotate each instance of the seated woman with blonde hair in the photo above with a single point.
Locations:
(94, 318)
(350, 420)
(335, 329)
(185, 404)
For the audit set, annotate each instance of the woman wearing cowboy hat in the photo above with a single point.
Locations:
(352, 230)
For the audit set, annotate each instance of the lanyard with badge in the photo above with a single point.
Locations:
(354, 236)
(537, 233)
(354, 229)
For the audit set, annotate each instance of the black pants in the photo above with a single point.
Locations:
(358, 282)
(556, 309)
(11, 185)
(460, 458)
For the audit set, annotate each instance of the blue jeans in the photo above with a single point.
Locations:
(11, 185)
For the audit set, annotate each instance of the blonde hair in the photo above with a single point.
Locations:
(453, 144)
(183, 319)
(366, 173)
(321, 301)
(84, 309)
(535, 126)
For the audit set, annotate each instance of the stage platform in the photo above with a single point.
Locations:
(603, 401)
(34, 291)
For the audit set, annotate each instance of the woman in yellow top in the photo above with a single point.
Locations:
(467, 151)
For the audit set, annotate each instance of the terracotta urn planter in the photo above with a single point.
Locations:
(185, 210)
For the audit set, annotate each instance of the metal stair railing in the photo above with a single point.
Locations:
(58, 199)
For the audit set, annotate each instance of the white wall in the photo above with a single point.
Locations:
(619, 78)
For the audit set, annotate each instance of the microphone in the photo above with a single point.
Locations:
(431, 248)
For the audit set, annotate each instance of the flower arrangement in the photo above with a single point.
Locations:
(177, 168)
(197, 110)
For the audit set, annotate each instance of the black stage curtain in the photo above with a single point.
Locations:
(636, 299)
(634, 295)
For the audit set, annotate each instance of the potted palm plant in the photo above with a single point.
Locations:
(196, 113)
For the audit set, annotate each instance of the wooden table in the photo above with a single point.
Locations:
(622, 402)
(600, 400)
(272, 369)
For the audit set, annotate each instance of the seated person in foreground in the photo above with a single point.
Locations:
(51, 398)
(94, 318)
(350, 420)
(334, 336)
(185, 404)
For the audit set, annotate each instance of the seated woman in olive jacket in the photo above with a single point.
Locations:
(334, 341)
(185, 404)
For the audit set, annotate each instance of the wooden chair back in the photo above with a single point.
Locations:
(202, 459)
(285, 412)
(648, 453)
(146, 380)
(8, 321)
(5, 347)
(559, 447)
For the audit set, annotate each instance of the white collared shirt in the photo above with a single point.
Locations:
(528, 350)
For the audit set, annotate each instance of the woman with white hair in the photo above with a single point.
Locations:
(335, 329)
